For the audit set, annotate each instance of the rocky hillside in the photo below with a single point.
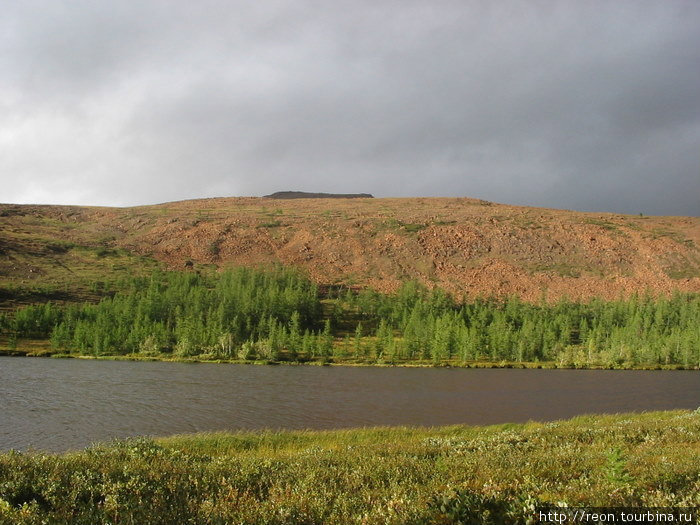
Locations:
(467, 246)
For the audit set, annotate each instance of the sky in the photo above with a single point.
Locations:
(586, 105)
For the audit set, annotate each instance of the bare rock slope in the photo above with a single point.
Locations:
(469, 247)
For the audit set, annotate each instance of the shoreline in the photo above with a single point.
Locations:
(525, 365)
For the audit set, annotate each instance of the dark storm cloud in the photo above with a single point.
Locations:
(585, 105)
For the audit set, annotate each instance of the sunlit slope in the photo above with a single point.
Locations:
(466, 246)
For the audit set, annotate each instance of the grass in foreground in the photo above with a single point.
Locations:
(457, 474)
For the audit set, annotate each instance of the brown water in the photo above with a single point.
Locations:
(57, 404)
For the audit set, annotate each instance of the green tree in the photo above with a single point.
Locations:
(326, 341)
(358, 347)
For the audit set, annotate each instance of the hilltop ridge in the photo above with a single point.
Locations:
(467, 246)
(307, 195)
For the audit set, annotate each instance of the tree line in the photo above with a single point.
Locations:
(280, 315)
(177, 312)
(419, 324)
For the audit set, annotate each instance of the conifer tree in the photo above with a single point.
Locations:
(326, 341)
(357, 345)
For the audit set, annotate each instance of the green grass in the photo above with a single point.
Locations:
(413, 227)
(364, 476)
(37, 266)
(608, 225)
(682, 272)
(72, 273)
(682, 266)
(678, 237)
(393, 224)
(271, 224)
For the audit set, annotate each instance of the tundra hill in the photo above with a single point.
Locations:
(467, 246)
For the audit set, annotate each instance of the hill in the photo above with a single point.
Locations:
(467, 246)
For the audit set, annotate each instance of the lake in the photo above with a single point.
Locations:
(64, 404)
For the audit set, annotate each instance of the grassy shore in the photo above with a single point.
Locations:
(42, 348)
(457, 474)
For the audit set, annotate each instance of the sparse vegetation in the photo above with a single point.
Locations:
(271, 224)
(608, 225)
(58, 245)
(413, 228)
(683, 272)
(658, 233)
(214, 248)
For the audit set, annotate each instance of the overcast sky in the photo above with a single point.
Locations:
(588, 105)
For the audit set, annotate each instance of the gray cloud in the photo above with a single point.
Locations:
(583, 105)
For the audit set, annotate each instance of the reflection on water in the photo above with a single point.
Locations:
(60, 404)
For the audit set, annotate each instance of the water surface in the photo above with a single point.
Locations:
(62, 404)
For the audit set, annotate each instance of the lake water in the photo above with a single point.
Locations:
(62, 404)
